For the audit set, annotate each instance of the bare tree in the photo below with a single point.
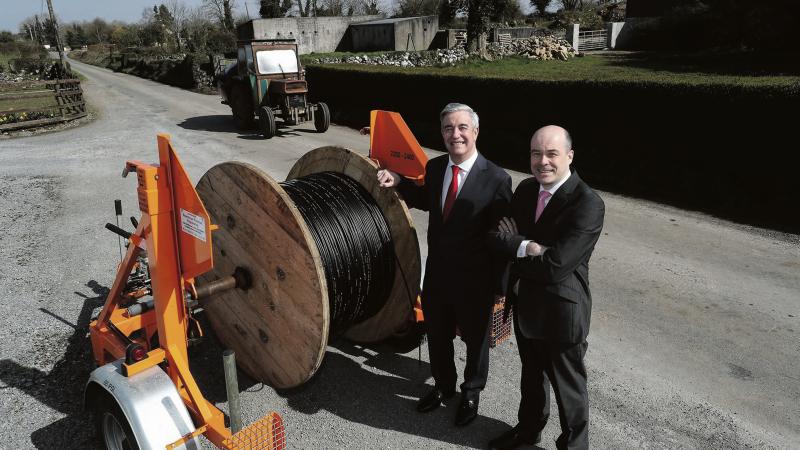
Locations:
(571, 5)
(28, 27)
(198, 26)
(368, 7)
(332, 7)
(222, 11)
(304, 12)
(179, 12)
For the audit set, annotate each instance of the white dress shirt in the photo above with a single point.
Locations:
(464, 167)
(521, 251)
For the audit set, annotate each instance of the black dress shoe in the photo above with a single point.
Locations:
(467, 410)
(433, 399)
(513, 438)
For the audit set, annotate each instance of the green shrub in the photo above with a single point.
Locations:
(589, 17)
(677, 143)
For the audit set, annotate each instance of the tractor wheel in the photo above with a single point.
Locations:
(266, 122)
(322, 119)
(113, 429)
(242, 108)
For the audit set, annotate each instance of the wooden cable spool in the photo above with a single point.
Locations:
(279, 327)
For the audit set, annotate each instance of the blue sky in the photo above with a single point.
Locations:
(15, 11)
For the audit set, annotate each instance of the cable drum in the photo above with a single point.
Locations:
(354, 243)
(330, 252)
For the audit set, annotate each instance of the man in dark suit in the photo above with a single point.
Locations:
(555, 223)
(465, 196)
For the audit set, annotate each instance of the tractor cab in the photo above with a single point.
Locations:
(268, 81)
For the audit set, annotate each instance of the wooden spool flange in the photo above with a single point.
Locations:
(279, 327)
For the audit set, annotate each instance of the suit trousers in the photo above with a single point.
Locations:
(441, 320)
(560, 364)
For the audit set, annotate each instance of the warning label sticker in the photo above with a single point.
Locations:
(193, 225)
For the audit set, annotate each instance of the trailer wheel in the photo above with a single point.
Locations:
(113, 429)
(266, 122)
(322, 119)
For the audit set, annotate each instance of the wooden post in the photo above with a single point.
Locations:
(59, 99)
(60, 46)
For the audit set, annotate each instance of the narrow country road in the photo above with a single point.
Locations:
(695, 339)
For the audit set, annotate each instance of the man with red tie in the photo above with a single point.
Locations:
(465, 195)
(555, 222)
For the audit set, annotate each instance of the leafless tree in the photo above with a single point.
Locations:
(180, 13)
(197, 27)
(222, 11)
(28, 27)
(367, 7)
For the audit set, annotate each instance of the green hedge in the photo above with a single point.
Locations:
(726, 149)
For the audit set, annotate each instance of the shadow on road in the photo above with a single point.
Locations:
(61, 389)
(224, 124)
(385, 400)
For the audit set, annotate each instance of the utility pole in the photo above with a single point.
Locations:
(61, 54)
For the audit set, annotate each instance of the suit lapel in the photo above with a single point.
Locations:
(558, 201)
(436, 182)
(470, 183)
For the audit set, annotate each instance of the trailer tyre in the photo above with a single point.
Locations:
(322, 119)
(266, 122)
(113, 429)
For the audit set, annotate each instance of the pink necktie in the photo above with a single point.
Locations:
(543, 196)
(452, 193)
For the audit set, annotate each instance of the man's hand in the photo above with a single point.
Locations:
(507, 225)
(387, 178)
(534, 249)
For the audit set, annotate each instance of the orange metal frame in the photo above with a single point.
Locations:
(175, 231)
(393, 146)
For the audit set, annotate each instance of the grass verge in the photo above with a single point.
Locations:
(740, 69)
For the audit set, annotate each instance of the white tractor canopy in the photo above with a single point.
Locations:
(279, 61)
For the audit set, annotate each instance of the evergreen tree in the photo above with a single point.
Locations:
(540, 5)
(274, 8)
(447, 12)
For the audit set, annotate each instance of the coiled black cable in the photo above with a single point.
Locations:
(354, 243)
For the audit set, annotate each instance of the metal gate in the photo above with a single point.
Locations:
(592, 40)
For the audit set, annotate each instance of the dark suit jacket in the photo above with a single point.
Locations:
(554, 301)
(461, 266)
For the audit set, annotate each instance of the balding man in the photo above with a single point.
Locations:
(556, 222)
(465, 196)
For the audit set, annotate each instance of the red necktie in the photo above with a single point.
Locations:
(541, 204)
(452, 193)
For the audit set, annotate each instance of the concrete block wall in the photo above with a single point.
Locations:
(313, 34)
(403, 34)
(373, 37)
(613, 31)
(417, 33)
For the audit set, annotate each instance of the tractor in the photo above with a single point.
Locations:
(268, 81)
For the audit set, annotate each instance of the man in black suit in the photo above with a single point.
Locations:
(465, 196)
(555, 223)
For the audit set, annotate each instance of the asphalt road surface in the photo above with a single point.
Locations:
(695, 338)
